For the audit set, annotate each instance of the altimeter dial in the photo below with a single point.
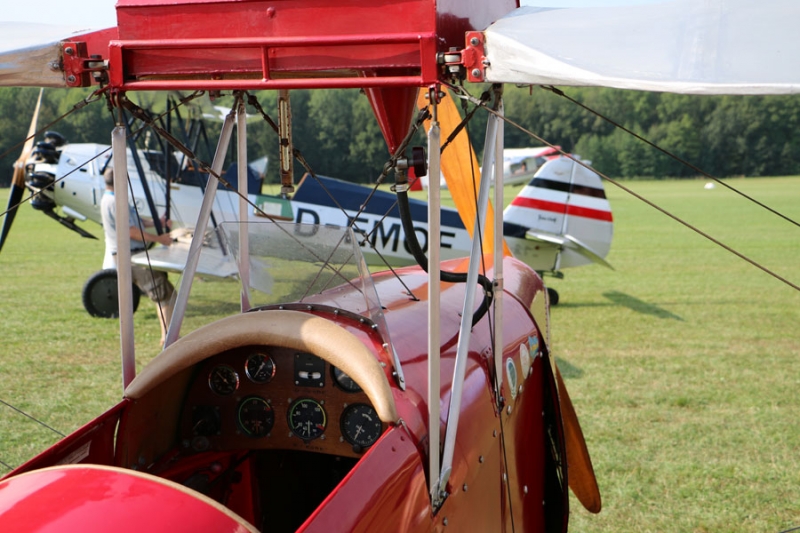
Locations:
(307, 419)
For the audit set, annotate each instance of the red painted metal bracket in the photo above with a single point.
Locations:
(80, 69)
(473, 57)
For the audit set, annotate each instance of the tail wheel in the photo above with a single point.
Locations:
(552, 295)
(100, 297)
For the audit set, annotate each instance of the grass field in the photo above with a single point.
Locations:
(682, 362)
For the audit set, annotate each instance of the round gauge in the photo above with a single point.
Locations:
(223, 380)
(307, 419)
(256, 416)
(259, 367)
(344, 381)
(360, 425)
(206, 420)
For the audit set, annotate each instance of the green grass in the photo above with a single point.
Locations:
(56, 362)
(682, 363)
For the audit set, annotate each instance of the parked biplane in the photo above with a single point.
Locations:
(324, 410)
(561, 219)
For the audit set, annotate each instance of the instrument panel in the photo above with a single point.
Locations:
(262, 397)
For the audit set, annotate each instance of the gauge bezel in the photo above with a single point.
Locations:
(355, 409)
(317, 433)
(252, 376)
(215, 388)
(270, 423)
(342, 380)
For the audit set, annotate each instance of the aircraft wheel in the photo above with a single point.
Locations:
(553, 296)
(100, 296)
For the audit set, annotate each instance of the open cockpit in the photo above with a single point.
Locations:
(264, 412)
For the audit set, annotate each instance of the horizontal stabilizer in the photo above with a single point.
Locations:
(568, 242)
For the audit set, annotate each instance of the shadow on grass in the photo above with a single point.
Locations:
(568, 370)
(634, 304)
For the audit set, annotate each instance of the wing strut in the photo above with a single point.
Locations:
(200, 229)
(124, 276)
(434, 302)
(244, 235)
(462, 348)
(151, 205)
(499, 253)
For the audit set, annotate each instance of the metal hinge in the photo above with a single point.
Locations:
(80, 69)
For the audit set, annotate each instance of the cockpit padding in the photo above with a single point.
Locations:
(285, 328)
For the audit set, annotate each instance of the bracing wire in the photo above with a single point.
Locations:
(20, 411)
(80, 105)
(635, 195)
(677, 158)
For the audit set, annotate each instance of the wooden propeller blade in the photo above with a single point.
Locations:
(19, 165)
(14, 197)
(459, 163)
(582, 480)
(18, 180)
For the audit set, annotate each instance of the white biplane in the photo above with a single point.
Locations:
(560, 219)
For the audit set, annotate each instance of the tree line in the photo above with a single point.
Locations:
(337, 133)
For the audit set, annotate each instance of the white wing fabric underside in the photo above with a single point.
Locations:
(681, 46)
(30, 54)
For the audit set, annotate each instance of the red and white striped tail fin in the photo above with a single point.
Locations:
(565, 206)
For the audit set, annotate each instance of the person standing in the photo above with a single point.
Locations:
(154, 283)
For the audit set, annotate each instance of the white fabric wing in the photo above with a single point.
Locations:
(682, 46)
(30, 54)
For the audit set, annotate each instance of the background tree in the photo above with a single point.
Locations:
(337, 131)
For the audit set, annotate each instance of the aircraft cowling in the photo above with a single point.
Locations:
(92, 498)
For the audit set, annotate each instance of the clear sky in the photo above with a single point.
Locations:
(98, 14)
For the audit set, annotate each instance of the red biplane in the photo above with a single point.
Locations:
(321, 406)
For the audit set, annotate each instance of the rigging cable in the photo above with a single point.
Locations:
(677, 158)
(142, 115)
(20, 411)
(91, 98)
(499, 400)
(59, 180)
(298, 155)
(639, 197)
(95, 96)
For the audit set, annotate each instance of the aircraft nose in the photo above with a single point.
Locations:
(38, 182)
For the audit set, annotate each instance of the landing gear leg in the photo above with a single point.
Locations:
(552, 295)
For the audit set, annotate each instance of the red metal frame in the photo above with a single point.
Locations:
(264, 57)
(252, 44)
(219, 45)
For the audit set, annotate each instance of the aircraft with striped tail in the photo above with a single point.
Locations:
(561, 219)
